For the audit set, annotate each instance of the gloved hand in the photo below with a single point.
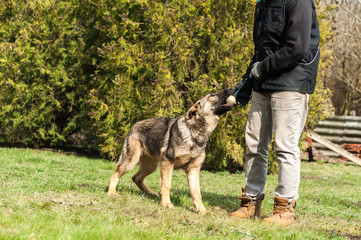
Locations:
(255, 72)
(243, 91)
(242, 99)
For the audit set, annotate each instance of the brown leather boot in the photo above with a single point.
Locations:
(249, 207)
(283, 212)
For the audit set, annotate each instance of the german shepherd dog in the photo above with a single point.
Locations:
(172, 143)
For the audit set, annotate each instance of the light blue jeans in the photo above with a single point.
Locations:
(284, 114)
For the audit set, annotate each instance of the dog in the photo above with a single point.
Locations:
(172, 143)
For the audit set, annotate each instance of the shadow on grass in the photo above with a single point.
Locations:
(226, 202)
(213, 200)
(91, 152)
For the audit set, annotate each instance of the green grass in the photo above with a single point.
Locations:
(46, 195)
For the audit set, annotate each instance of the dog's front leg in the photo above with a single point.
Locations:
(166, 182)
(193, 175)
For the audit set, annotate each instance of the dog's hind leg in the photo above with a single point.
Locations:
(146, 167)
(113, 182)
(127, 161)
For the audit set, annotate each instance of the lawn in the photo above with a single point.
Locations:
(47, 195)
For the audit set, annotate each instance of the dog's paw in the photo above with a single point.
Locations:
(154, 194)
(202, 212)
(168, 205)
(112, 194)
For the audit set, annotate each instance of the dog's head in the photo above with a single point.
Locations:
(212, 105)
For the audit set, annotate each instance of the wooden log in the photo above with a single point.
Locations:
(341, 140)
(345, 118)
(319, 146)
(334, 147)
(330, 153)
(339, 125)
(351, 133)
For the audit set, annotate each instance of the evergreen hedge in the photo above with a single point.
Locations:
(83, 72)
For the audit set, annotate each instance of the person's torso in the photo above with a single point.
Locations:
(270, 23)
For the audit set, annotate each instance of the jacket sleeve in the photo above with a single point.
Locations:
(249, 68)
(244, 88)
(297, 39)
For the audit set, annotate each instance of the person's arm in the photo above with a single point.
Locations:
(297, 39)
(243, 89)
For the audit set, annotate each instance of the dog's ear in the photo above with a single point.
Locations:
(193, 110)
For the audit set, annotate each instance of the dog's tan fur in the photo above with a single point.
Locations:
(171, 143)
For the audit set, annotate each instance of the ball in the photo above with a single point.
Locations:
(231, 100)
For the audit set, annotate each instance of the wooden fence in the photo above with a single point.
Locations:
(339, 130)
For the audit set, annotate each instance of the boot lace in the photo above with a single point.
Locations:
(282, 209)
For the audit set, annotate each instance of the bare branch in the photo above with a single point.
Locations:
(349, 84)
(351, 13)
(348, 35)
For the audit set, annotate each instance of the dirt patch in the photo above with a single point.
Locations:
(347, 235)
(84, 185)
(313, 178)
(319, 156)
(358, 204)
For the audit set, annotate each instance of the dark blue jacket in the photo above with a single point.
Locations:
(286, 37)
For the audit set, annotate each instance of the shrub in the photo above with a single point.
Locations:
(84, 72)
(43, 72)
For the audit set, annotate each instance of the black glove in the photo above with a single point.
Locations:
(243, 91)
(242, 99)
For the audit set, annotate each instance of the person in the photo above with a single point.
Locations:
(282, 74)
